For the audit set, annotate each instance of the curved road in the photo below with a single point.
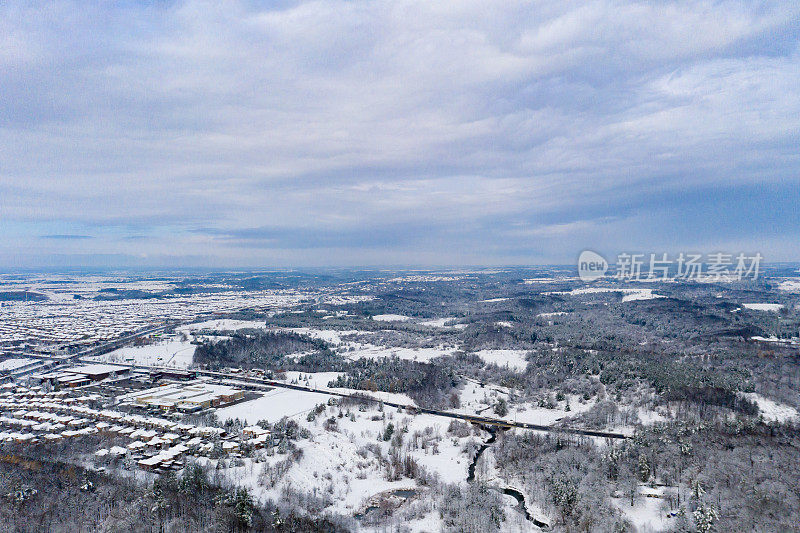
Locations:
(474, 419)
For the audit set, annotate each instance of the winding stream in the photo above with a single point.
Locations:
(489, 442)
(517, 495)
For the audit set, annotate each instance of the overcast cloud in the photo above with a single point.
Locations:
(376, 133)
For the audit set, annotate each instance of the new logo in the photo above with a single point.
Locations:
(591, 265)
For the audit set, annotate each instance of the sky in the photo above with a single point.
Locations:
(403, 133)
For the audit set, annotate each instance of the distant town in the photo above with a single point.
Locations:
(393, 399)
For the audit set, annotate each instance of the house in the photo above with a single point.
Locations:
(253, 431)
(151, 463)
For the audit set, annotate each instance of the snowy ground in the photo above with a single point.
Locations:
(371, 351)
(477, 399)
(391, 318)
(628, 295)
(223, 324)
(559, 279)
(791, 285)
(764, 307)
(336, 464)
(173, 353)
(642, 294)
(11, 364)
(513, 359)
(646, 513)
(359, 350)
(533, 414)
(280, 402)
(273, 406)
(429, 523)
(551, 315)
(340, 465)
(770, 409)
(441, 323)
(331, 336)
(649, 417)
(773, 338)
(315, 380)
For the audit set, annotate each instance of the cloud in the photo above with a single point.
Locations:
(66, 237)
(330, 132)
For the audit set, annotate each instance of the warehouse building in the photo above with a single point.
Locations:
(78, 376)
(96, 372)
(187, 397)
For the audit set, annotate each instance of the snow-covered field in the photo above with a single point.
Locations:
(791, 285)
(359, 350)
(532, 414)
(440, 323)
(345, 464)
(646, 513)
(12, 364)
(648, 416)
(335, 463)
(551, 315)
(628, 295)
(642, 294)
(772, 410)
(331, 336)
(371, 351)
(391, 318)
(280, 402)
(764, 307)
(174, 353)
(477, 399)
(315, 380)
(223, 324)
(773, 338)
(513, 359)
(273, 406)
